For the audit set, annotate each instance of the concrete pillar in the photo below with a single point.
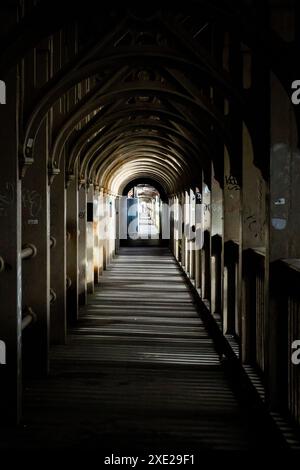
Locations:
(112, 226)
(36, 231)
(105, 221)
(232, 242)
(58, 256)
(10, 248)
(187, 226)
(102, 233)
(58, 253)
(118, 208)
(123, 218)
(284, 238)
(182, 203)
(254, 236)
(90, 239)
(171, 211)
(253, 256)
(216, 246)
(72, 249)
(96, 235)
(253, 198)
(185, 231)
(284, 176)
(70, 99)
(192, 233)
(199, 236)
(82, 245)
(177, 225)
(206, 251)
(173, 234)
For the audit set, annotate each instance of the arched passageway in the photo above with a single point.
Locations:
(142, 213)
(149, 251)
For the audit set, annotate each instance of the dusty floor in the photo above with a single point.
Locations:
(140, 372)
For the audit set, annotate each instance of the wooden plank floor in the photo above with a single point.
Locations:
(140, 372)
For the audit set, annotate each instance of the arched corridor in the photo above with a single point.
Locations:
(149, 242)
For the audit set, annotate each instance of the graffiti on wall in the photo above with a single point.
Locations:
(7, 198)
(32, 201)
(231, 183)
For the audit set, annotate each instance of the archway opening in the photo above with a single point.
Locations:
(143, 212)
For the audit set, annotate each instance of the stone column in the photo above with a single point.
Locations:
(284, 200)
(183, 229)
(171, 207)
(58, 252)
(177, 227)
(206, 252)
(254, 233)
(192, 233)
(105, 231)
(72, 249)
(118, 209)
(10, 248)
(232, 241)
(90, 239)
(58, 256)
(96, 235)
(199, 233)
(112, 226)
(187, 230)
(102, 233)
(36, 230)
(82, 245)
(216, 246)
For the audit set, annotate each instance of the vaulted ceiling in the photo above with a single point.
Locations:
(151, 90)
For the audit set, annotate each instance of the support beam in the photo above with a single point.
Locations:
(118, 208)
(10, 249)
(96, 235)
(58, 209)
(199, 211)
(206, 251)
(72, 250)
(36, 230)
(192, 233)
(232, 242)
(82, 245)
(90, 240)
(216, 246)
(284, 200)
(254, 238)
(58, 256)
(102, 233)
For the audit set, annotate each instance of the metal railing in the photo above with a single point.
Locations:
(68, 282)
(29, 317)
(52, 296)
(28, 251)
(52, 242)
